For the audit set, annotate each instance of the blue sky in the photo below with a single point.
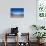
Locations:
(17, 9)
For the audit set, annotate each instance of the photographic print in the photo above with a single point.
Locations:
(17, 12)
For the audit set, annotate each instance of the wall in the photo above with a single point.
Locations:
(24, 24)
